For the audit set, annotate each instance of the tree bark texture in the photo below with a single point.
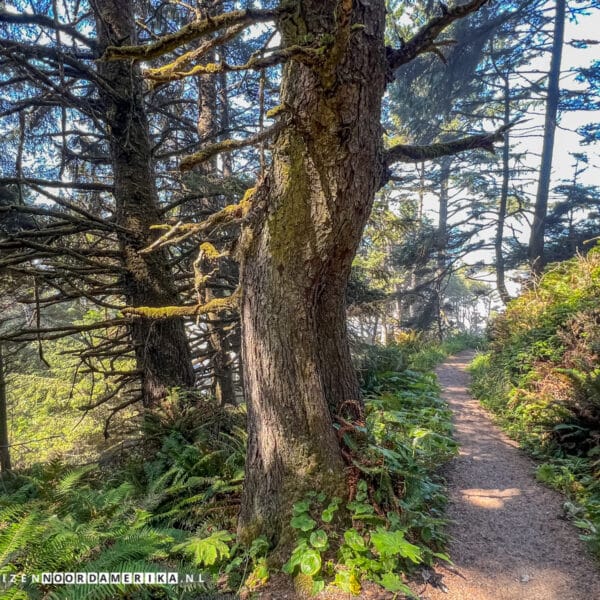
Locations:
(5, 464)
(538, 228)
(161, 347)
(310, 211)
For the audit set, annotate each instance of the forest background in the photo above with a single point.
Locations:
(220, 222)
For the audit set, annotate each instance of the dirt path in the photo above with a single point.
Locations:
(510, 541)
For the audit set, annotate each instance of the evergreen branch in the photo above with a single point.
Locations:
(425, 39)
(189, 33)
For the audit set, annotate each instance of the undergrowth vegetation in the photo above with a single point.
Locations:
(541, 378)
(169, 503)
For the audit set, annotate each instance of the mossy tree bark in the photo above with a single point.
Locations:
(161, 347)
(222, 387)
(5, 463)
(310, 211)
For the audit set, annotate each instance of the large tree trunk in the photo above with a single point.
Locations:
(316, 198)
(538, 229)
(161, 347)
(5, 464)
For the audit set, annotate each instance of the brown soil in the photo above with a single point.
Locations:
(510, 540)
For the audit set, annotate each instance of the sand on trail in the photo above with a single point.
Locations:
(509, 538)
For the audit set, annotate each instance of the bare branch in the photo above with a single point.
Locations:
(425, 39)
(228, 146)
(84, 185)
(189, 33)
(44, 21)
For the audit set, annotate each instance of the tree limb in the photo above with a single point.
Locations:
(228, 146)
(408, 153)
(189, 33)
(228, 303)
(425, 39)
(44, 21)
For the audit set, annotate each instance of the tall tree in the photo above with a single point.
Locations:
(302, 224)
(536, 240)
(90, 248)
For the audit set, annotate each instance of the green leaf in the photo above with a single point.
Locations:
(207, 551)
(303, 522)
(443, 556)
(319, 539)
(259, 547)
(327, 514)
(318, 586)
(310, 562)
(355, 540)
(393, 583)
(361, 491)
(301, 507)
(392, 543)
(347, 582)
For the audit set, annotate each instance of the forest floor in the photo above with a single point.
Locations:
(509, 539)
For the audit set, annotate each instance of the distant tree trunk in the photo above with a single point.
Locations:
(5, 464)
(161, 347)
(500, 271)
(208, 128)
(316, 198)
(442, 242)
(536, 241)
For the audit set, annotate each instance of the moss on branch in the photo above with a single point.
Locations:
(216, 305)
(171, 72)
(227, 146)
(412, 153)
(188, 33)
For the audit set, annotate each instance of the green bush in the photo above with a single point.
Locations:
(541, 378)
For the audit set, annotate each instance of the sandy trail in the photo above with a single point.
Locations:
(509, 538)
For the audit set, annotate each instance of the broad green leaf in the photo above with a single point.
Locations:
(318, 586)
(303, 522)
(207, 551)
(319, 539)
(392, 543)
(355, 540)
(310, 562)
(393, 583)
(301, 507)
(347, 582)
